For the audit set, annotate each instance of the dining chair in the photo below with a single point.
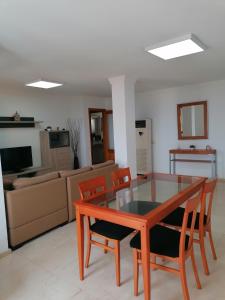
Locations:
(121, 178)
(203, 223)
(108, 231)
(170, 245)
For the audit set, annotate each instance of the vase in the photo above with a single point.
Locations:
(76, 162)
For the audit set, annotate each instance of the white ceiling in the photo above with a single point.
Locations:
(83, 42)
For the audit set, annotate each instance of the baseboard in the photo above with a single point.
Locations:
(5, 253)
(221, 179)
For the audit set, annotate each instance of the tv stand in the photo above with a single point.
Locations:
(26, 173)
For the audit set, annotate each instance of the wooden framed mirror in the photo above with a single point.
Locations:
(192, 120)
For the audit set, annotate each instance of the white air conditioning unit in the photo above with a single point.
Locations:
(144, 146)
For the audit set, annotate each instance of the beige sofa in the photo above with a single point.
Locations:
(41, 203)
(35, 207)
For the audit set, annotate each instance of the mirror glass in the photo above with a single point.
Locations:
(192, 120)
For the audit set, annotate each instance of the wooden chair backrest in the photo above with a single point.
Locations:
(206, 207)
(92, 187)
(190, 209)
(121, 178)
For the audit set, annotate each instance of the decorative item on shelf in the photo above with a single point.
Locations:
(57, 128)
(192, 147)
(74, 129)
(208, 147)
(48, 128)
(16, 117)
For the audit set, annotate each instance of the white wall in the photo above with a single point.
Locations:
(50, 108)
(3, 230)
(160, 106)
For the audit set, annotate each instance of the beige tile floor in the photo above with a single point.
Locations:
(46, 268)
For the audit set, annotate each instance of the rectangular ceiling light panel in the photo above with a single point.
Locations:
(186, 45)
(44, 84)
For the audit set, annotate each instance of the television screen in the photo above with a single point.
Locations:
(16, 159)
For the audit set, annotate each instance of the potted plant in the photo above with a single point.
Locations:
(74, 129)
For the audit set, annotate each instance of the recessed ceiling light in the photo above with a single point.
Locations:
(42, 84)
(182, 46)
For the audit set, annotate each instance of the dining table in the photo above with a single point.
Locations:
(143, 204)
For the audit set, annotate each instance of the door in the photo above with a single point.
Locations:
(101, 135)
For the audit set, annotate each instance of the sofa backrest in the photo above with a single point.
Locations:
(72, 183)
(22, 182)
(68, 173)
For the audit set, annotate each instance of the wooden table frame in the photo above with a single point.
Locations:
(137, 222)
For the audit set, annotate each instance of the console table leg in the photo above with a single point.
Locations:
(174, 164)
(215, 166)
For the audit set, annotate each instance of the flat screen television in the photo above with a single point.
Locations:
(16, 159)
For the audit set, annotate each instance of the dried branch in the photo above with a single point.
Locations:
(74, 127)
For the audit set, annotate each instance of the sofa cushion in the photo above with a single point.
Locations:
(67, 173)
(27, 181)
(102, 165)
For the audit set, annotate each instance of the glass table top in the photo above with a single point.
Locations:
(145, 194)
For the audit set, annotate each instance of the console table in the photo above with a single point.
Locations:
(210, 153)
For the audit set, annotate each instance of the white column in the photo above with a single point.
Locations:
(3, 229)
(123, 104)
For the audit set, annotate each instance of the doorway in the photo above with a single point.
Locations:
(101, 135)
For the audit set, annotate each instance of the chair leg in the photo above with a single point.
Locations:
(88, 249)
(106, 243)
(117, 261)
(136, 271)
(203, 254)
(153, 260)
(195, 270)
(184, 281)
(211, 242)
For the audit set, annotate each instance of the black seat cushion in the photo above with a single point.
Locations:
(111, 230)
(176, 218)
(163, 241)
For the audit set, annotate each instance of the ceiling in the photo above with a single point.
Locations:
(81, 42)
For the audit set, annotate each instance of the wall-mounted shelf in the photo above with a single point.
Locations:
(25, 122)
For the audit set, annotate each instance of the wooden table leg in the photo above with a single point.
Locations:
(80, 241)
(145, 255)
